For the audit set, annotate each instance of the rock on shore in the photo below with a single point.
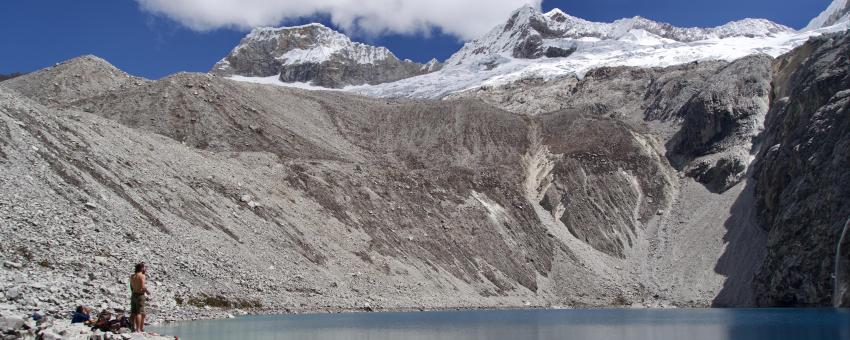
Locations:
(48, 328)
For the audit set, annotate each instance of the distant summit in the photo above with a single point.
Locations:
(535, 45)
(531, 34)
(316, 55)
(86, 76)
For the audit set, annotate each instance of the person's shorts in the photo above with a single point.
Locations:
(137, 304)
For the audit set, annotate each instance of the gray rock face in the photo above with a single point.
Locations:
(710, 117)
(720, 123)
(317, 55)
(627, 93)
(716, 109)
(600, 178)
(803, 182)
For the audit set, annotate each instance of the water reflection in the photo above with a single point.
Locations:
(691, 324)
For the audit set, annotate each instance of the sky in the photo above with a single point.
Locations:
(155, 38)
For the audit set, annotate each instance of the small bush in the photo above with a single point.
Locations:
(620, 300)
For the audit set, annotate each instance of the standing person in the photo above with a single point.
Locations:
(138, 290)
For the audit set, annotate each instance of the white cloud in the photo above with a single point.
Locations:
(466, 19)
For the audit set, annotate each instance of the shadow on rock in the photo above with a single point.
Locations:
(746, 247)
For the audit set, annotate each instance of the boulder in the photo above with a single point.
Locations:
(11, 323)
(13, 293)
(14, 265)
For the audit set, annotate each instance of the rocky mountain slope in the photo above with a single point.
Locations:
(289, 199)
(783, 138)
(316, 55)
(10, 76)
(90, 76)
(706, 183)
(720, 108)
(244, 195)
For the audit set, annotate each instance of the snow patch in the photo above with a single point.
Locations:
(837, 12)
(319, 44)
(275, 80)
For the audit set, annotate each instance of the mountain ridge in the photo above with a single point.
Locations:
(528, 26)
(555, 45)
(531, 44)
(837, 12)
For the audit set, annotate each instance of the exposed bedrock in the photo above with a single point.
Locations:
(715, 143)
(317, 55)
(803, 182)
(709, 113)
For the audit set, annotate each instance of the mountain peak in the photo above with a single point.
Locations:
(837, 12)
(522, 16)
(557, 15)
(432, 65)
(81, 77)
(527, 8)
(555, 12)
(315, 54)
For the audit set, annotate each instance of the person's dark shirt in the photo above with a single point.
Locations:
(80, 317)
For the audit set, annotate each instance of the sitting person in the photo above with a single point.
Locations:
(82, 315)
(106, 323)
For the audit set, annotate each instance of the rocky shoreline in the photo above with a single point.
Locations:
(50, 329)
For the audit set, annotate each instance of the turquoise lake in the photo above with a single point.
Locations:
(607, 324)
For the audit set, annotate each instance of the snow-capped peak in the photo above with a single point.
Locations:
(313, 54)
(266, 33)
(531, 44)
(316, 43)
(555, 12)
(837, 12)
(531, 34)
(432, 65)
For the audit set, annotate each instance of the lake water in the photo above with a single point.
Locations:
(603, 324)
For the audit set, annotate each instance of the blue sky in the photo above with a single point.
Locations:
(38, 33)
